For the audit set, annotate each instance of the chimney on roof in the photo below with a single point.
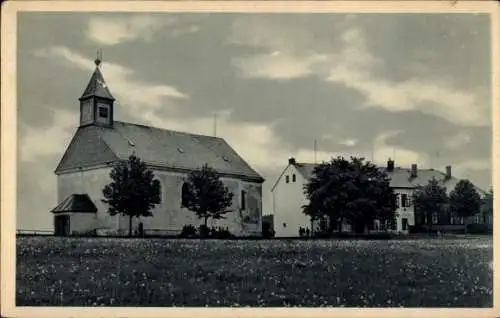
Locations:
(291, 161)
(390, 165)
(448, 172)
(413, 170)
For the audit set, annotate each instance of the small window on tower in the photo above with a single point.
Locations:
(103, 112)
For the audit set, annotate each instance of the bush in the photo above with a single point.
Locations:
(349, 235)
(220, 233)
(206, 232)
(479, 229)
(188, 231)
(90, 233)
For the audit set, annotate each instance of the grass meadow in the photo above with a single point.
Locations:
(53, 271)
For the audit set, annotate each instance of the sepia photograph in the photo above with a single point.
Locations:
(239, 158)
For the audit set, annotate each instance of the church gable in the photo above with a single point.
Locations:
(86, 149)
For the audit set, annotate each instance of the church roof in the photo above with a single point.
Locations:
(76, 203)
(94, 145)
(97, 86)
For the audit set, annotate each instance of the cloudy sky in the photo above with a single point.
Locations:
(415, 87)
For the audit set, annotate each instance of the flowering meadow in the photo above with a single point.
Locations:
(53, 271)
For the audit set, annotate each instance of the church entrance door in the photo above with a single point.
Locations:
(61, 225)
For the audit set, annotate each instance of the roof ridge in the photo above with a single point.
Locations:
(169, 130)
(380, 166)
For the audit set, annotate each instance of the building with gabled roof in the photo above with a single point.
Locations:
(100, 141)
(288, 195)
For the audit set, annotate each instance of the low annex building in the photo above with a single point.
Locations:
(288, 195)
(100, 141)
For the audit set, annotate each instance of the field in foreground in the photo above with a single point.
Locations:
(162, 272)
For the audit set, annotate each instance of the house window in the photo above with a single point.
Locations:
(287, 179)
(404, 224)
(394, 224)
(156, 185)
(243, 200)
(294, 177)
(404, 201)
(184, 194)
(103, 112)
(284, 224)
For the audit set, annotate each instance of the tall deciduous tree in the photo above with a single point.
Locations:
(465, 201)
(430, 199)
(354, 191)
(133, 191)
(205, 194)
(488, 205)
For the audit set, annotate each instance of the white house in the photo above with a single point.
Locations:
(100, 141)
(288, 195)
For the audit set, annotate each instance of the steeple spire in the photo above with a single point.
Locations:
(97, 86)
(98, 58)
(96, 103)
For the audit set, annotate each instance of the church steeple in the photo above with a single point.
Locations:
(96, 102)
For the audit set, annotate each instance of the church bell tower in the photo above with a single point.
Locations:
(96, 103)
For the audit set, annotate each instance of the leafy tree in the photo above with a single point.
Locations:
(205, 194)
(133, 192)
(465, 200)
(354, 191)
(430, 200)
(488, 204)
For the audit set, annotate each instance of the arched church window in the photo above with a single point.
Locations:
(243, 200)
(157, 185)
(184, 194)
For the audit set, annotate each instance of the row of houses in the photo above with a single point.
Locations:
(288, 196)
(100, 141)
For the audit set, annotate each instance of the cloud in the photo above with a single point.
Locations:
(256, 143)
(403, 157)
(354, 66)
(141, 96)
(457, 141)
(276, 65)
(193, 28)
(351, 64)
(110, 30)
(45, 142)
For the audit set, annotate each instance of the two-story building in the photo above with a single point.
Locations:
(288, 195)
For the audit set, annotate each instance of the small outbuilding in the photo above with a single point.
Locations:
(74, 215)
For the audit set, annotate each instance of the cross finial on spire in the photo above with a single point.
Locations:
(98, 58)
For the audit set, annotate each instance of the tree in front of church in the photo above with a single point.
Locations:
(133, 191)
(354, 191)
(465, 201)
(205, 194)
(430, 200)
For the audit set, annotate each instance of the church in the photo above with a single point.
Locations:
(100, 141)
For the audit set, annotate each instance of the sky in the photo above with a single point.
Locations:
(413, 87)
